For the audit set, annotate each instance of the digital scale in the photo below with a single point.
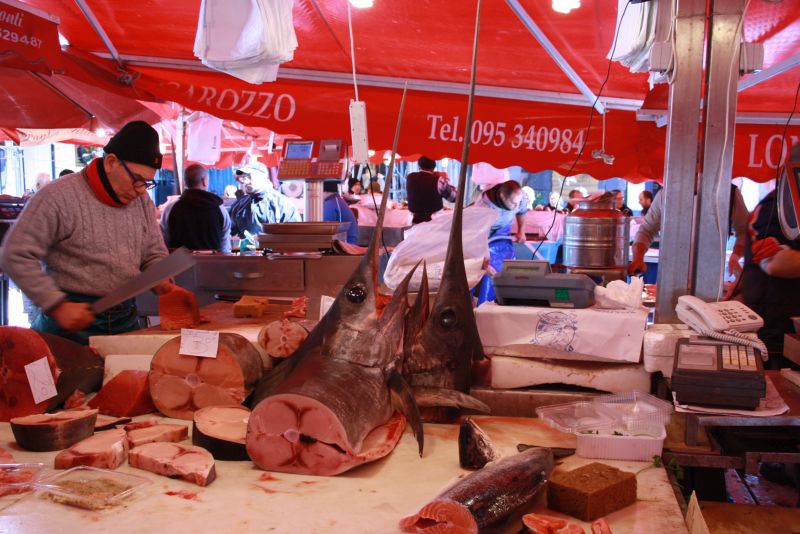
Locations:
(298, 164)
(531, 283)
(710, 372)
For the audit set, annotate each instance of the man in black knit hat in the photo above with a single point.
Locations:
(197, 220)
(86, 234)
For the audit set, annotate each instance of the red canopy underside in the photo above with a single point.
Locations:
(431, 40)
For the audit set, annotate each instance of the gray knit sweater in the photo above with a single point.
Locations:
(66, 240)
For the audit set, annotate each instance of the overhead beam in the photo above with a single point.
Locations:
(771, 72)
(553, 52)
(98, 28)
(742, 117)
(343, 78)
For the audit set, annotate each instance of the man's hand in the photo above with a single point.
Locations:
(765, 248)
(734, 269)
(520, 237)
(164, 287)
(637, 264)
(72, 316)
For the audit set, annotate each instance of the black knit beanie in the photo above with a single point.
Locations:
(136, 142)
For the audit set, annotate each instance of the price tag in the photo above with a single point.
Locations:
(325, 303)
(202, 343)
(40, 379)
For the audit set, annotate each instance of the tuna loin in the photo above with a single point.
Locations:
(18, 348)
(222, 431)
(475, 449)
(187, 462)
(485, 496)
(125, 395)
(53, 432)
(106, 449)
(182, 384)
(154, 433)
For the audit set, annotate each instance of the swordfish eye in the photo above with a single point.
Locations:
(448, 319)
(356, 294)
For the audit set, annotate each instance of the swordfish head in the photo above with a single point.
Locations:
(441, 344)
(357, 327)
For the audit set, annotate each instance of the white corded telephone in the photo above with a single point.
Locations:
(721, 320)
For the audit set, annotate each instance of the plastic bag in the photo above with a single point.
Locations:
(428, 241)
(247, 39)
(619, 295)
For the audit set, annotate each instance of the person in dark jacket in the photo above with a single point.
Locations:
(426, 189)
(197, 220)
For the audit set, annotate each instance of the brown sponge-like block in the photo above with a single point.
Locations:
(591, 491)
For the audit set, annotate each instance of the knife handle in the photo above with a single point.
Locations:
(247, 276)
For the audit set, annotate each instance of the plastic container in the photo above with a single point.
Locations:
(18, 478)
(92, 488)
(635, 410)
(614, 444)
(576, 416)
(625, 411)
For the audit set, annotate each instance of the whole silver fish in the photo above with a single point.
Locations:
(486, 495)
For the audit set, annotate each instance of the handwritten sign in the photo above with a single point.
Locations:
(40, 379)
(203, 343)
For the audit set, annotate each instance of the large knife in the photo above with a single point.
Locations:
(172, 265)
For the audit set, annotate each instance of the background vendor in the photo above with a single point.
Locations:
(426, 189)
(335, 209)
(509, 201)
(86, 234)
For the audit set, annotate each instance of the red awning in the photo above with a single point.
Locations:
(29, 41)
(429, 44)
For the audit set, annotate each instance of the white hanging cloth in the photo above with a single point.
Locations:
(247, 39)
(635, 36)
(204, 137)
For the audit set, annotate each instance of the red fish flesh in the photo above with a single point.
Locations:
(175, 460)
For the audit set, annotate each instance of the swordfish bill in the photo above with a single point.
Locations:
(332, 405)
(440, 346)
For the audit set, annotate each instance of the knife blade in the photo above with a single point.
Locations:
(172, 265)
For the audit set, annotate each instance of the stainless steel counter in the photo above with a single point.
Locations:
(259, 275)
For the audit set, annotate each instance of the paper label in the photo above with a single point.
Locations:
(40, 379)
(203, 343)
(325, 303)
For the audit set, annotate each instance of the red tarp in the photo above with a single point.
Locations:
(29, 41)
(430, 42)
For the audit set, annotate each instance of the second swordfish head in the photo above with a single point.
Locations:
(441, 343)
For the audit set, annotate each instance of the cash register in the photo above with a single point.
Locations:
(532, 283)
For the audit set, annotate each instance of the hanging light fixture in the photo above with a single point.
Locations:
(361, 3)
(565, 6)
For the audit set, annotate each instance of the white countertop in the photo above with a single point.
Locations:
(370, 499)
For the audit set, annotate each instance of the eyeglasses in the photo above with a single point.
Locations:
(137, 180)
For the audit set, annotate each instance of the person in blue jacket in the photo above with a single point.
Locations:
(510, 202)
(335, 208)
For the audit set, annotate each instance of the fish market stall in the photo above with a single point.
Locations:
(372, 498)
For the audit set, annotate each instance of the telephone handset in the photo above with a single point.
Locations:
(721, 320)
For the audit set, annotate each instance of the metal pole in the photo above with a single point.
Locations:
(99, 30)
(714, 192)
(680, 168)
(553, 52)
(180, 149)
